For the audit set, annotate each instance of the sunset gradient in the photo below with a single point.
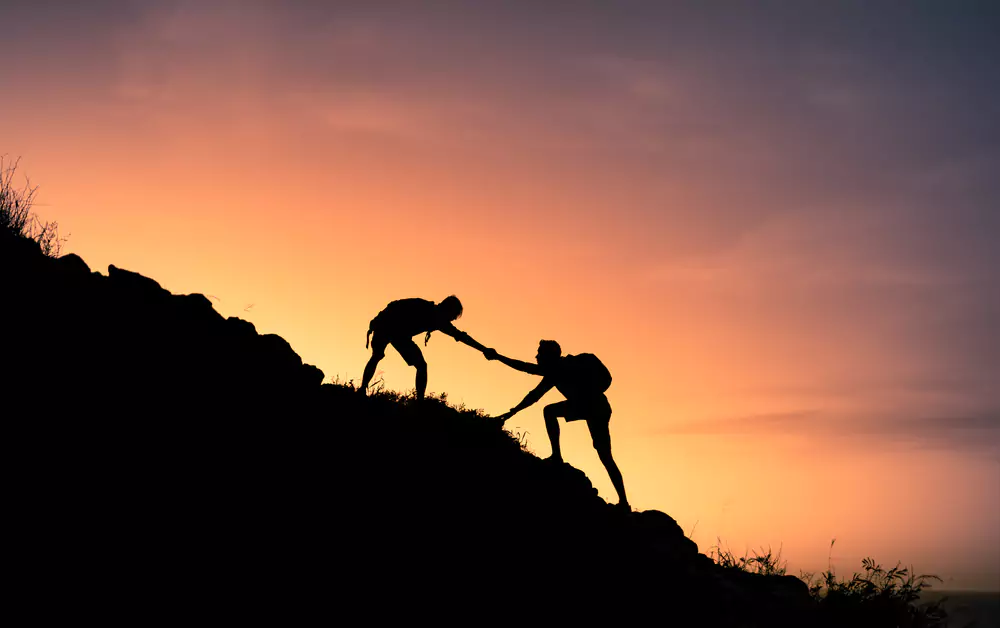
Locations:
(776, 225)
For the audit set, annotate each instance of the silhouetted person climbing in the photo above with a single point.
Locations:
(400, 321)
(582, 379)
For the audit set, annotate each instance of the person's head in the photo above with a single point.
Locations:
(451, 308)
(549, 352)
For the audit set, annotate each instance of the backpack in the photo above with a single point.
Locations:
(588, 372)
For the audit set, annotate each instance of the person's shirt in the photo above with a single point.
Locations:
(406, 318)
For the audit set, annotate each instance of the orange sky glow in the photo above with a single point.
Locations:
(774, 301)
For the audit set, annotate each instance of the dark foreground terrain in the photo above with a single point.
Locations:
(969, 608)
(168, 462)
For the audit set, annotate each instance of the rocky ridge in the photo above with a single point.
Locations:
(169, 459)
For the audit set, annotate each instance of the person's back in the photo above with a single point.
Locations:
(405, 318)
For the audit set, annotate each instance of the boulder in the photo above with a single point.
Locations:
(72, 263)
(278, 352)
(311, 375)
(240, 326)
(196, 306)
(133, 282)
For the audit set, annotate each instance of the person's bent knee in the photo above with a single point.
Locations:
(550, 412)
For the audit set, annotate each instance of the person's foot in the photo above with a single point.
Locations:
(553, 460)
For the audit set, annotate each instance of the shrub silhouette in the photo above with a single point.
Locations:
(16, 215)
(878, 597)
(872, 598)
(763, 562)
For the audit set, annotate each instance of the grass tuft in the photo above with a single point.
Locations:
(16, 215)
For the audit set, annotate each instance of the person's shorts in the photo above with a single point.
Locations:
(596, 411)
(404, 346)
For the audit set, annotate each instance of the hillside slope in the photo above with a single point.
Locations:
(166, 459)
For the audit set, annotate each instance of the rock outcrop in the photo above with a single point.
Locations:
(170, 461)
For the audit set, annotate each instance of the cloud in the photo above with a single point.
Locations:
(978, 433)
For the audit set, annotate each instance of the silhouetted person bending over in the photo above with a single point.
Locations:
(400, 321)
(582, 379)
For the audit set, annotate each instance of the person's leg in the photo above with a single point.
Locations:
(378, 352)
(552, 412)
(411, 353)
(604, 453)
(421, 380)
(600, 433)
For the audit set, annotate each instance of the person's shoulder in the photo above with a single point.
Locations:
(566, 364)
(410, 304)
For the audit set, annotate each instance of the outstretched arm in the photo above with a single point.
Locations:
(525, 367)
(543, 387)
(463, 337)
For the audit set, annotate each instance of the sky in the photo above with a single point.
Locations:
(775, 223)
